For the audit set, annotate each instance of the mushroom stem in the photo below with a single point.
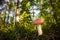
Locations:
(39, 28)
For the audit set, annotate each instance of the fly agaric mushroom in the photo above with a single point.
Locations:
(39, 22)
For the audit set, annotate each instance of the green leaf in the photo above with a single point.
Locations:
(28, 4)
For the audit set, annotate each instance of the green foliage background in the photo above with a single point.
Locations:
(25, 28)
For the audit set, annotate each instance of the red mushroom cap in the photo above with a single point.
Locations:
(38, 21)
